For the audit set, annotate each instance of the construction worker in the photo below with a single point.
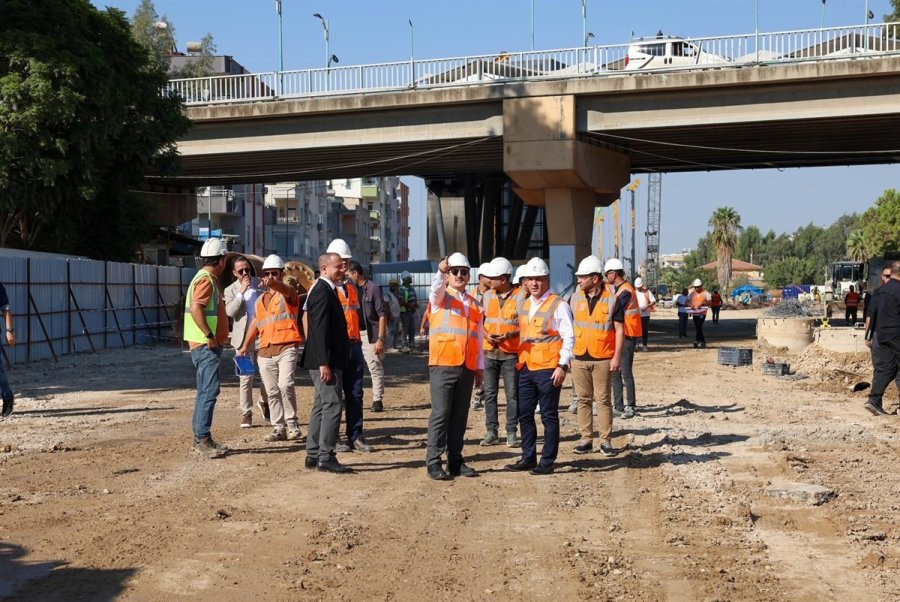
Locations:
(240, 305)
(455, 363)
(501, 350)
(851, 303)
(698, 300)
(409, 303)
(599, 335)
(715, 304)
(353, 374)
(393, 303)
(373, 317)
(275, 323)
(546, 340)
(647, 303)
(484, 285)
(206, 330)
(624, 399)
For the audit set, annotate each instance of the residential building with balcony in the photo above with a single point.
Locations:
(236, 214)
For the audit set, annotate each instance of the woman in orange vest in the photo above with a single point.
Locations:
(715, 304)
(275, 321)
(455, 364)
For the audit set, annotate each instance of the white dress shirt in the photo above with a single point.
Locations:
(561, 321)
(436, 297)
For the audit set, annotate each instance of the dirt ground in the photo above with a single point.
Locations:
(730, 485)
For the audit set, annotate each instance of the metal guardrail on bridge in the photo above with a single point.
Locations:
(782, 47)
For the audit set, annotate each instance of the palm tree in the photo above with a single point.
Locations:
(856, 246)
(725, 223)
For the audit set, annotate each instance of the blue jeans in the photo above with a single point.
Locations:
(206, 361)
(352, 382)
(537, 388)
(5, 391)
(682, 325)
(625, 375)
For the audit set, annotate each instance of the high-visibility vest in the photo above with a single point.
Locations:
(716, 300)
(350, 305)
(852, 300)
(501, 316)
(696, 300)
(454, 333)
(594, 331)
(192, 332)
(277, 322)
(539, 345)
(633, 325)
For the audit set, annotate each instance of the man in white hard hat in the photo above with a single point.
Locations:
(698, 301)
(455, 363)
(275, 321)
(240, 305)
(409, 303)
(206, 330)
(647, 303)
(353, 374)
(546, 340)
(501, 350)
(599, 334)
(623, 390)
(484, 285)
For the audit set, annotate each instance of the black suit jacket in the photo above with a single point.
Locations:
(327, 341)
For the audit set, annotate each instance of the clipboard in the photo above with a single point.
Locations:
(243, 365)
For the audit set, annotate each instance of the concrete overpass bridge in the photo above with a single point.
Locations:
(566, 138)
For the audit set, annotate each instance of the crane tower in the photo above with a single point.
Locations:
(654, 201)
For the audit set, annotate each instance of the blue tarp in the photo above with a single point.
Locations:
(792, 291)
(747, 289)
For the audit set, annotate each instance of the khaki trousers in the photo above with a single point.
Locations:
(246, 389)
(376, 367)
(278, 379)
(591, 381)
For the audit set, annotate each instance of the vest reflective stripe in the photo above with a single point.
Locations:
(594, 330)
(633, 325)
(350, 304)
(192, 332)
(453, 338)
(502, 317)
(539, 345)
(277, 323)
(696, 302)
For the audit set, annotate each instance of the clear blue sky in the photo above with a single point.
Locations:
(370, 31)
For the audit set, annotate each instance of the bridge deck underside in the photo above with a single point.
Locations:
(859, 140)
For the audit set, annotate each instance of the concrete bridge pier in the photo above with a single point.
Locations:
(550, 166)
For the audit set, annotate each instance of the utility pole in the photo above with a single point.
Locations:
(616, 228)
(632, 188)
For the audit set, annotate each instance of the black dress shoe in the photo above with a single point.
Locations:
(521, 465)
(377, 407)
(437, 473)
(310, 462)
(463, 471)
(540, 469)
(584, 448)
(332, 466)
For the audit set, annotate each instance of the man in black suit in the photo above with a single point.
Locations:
(326, 353)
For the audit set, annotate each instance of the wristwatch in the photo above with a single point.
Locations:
(565, 367)
(12, 330)
(210, 335)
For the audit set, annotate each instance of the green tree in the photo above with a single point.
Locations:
(793, 270)
(83, 121)
(725, 223)
(856, 246)
(155, 33)
(881, 224)
(895, 15)
(750, 244)
(199, 64)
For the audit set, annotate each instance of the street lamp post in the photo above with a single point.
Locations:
(412, 62)
(325, 30)
(280, 49)
(584, 21)
(532, 25)
(586, 38)
(822, 21)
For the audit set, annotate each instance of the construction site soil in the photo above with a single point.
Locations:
(729, 485)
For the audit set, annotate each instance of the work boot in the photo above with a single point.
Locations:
(293, 432)
(277, 435)
(490, 439)
(629, 412)
(573, 407)
(377, 406)
(512, 440)
(7, 406)
(206, 447)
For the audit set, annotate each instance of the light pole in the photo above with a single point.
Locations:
(280, 48)
(532, 25)
(584, 21)
(328, 55)
(756, 32)
(586, 38)
(822, 22)
(412, 63)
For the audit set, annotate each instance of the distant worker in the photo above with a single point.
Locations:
(624, 397)
(647, 303)
(883, 336)
(681, 302)
(455, 364)
(393, 316)
(275, 322)
(501, 348)
(5, 392)
(715, 305)
(817, 296)
(409, 303)
(373, 314)
(698, 301)
(206, 330)
(599, 336)
(424, 324)
(353, 374)
(240, 305)
(484, 285)
(546, 341)
(851, 303)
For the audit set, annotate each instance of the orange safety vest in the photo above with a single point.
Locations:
(502, 317)
(539, 345)
(277, 322)
(350, 305)
(633, 325)
(454, 333)
(716, 300)
(852, 300)
(594, 330)
(696, 300)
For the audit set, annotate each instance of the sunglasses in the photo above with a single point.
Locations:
(886, 276)
(459, 271)
(244, 271)
(272, 273)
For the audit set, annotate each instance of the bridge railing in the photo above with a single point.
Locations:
(771, 48)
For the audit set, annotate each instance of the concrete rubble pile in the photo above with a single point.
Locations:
(842, 369)
(792, 308)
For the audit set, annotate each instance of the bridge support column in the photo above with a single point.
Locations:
(549, 166)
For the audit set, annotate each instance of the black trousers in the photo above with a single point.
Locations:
(698, 327)
(886, 365)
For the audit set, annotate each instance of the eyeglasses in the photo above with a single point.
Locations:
(272, 273)
(459, 271)
(244, 271)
